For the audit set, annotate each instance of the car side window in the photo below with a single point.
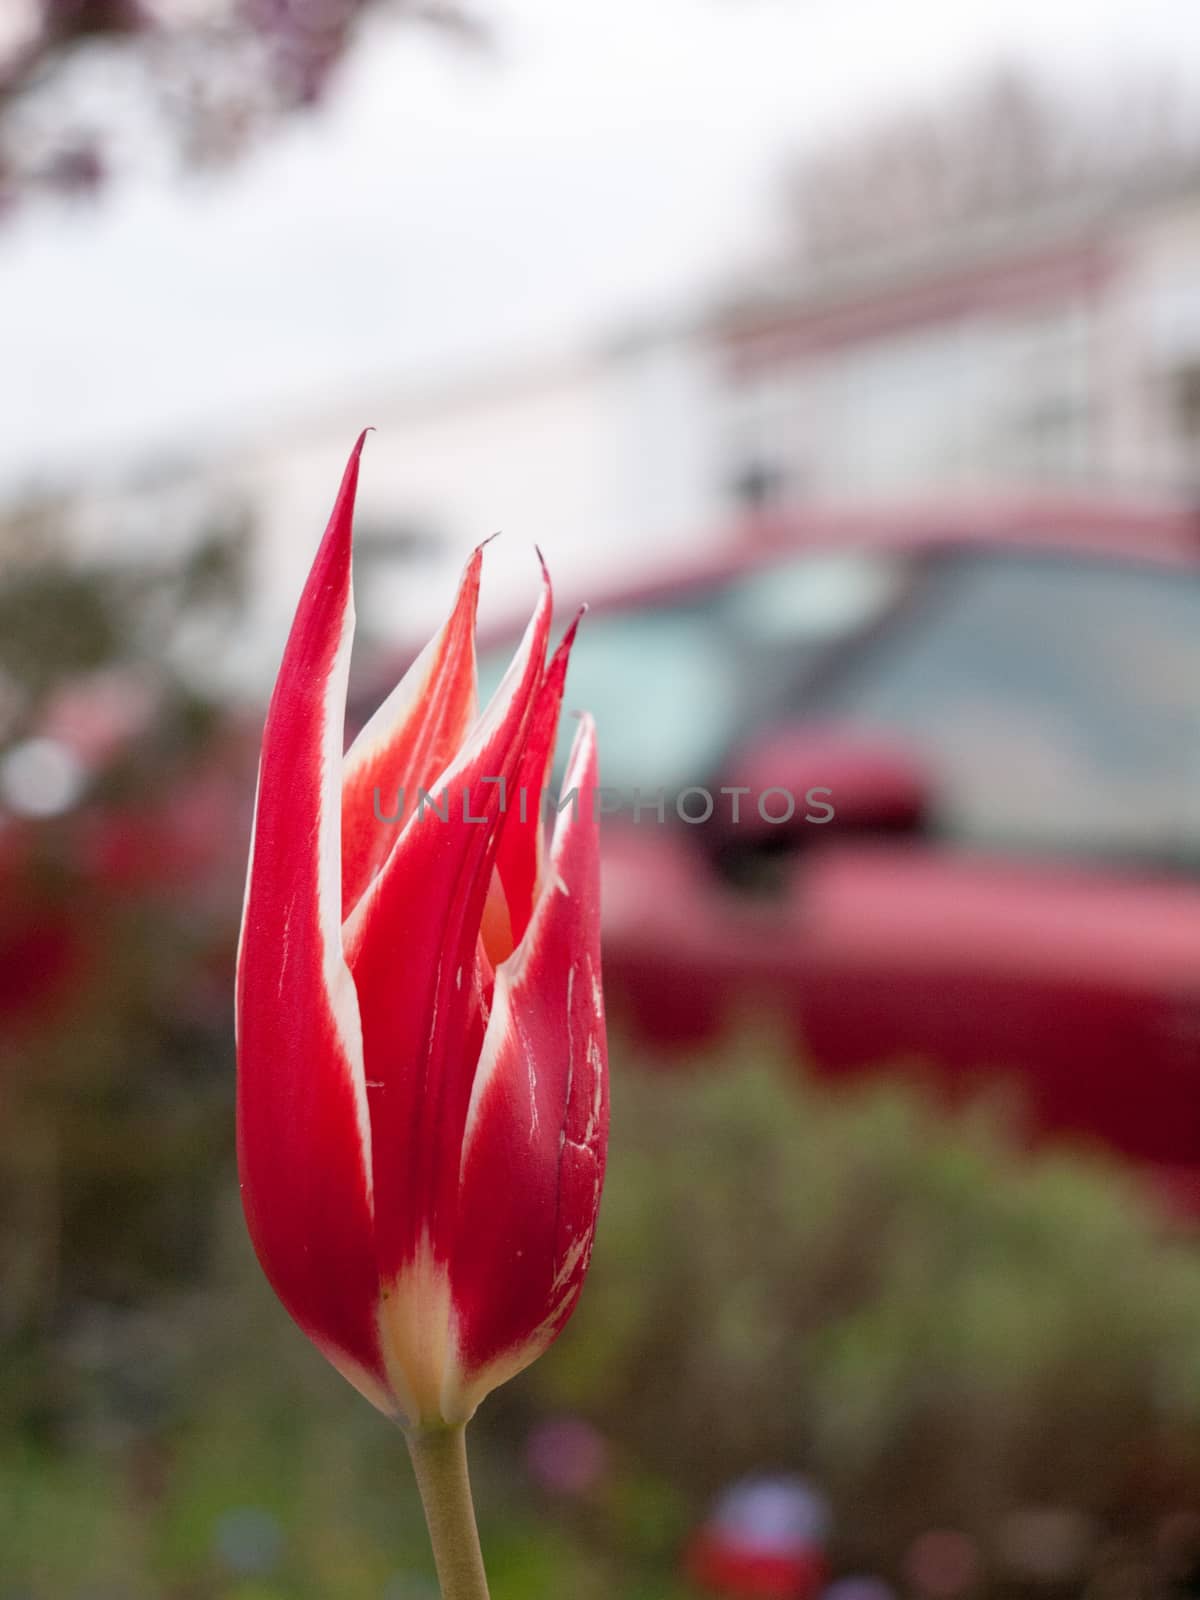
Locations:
(1056, 701)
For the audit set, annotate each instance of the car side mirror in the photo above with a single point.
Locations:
(801, 784)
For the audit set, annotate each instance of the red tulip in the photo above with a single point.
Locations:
(422, 1077)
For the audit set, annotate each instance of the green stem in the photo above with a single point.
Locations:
(439, 1458)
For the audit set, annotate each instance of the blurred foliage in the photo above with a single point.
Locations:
(1003, 144)
(62, 617)
(118, 902)
(935, 1326)
(80, 78)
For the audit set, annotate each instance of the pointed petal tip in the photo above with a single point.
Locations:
(471, 571)
(474, 565)
(361, 440)
(546, 598)
(339, 532)
(568, 638)
(583, 747)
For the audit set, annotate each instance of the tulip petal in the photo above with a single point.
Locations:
(412, 945)
(535, 1139)
(519, 856)
(304, 1151)
(411, 739)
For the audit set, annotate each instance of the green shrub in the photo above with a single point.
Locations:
(933, 1324)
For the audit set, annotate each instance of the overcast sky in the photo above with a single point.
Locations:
(448, 213)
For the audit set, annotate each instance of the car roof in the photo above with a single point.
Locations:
(1103, 528)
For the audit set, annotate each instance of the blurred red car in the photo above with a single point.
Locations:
(1002, 712)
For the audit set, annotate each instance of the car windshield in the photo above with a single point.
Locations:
(673, 685)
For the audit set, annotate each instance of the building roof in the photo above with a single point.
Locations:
(1014, 259)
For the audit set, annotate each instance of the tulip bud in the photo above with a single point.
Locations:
(422, 1073)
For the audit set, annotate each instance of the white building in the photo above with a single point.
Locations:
(1059, 349)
